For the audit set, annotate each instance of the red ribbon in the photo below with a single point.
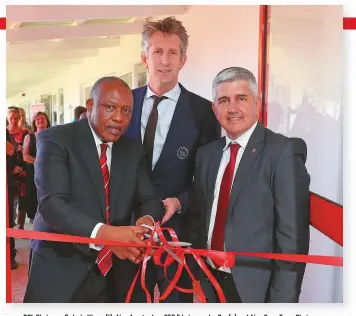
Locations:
(226, 259)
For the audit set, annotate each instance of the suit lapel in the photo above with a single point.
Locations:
(135, 125)
(249, 156)
(91, 159)
(119, 159)
(213, 169)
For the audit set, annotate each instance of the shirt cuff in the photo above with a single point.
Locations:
(93, 235)
(151, 218)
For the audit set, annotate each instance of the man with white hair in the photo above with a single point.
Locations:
(251, 194)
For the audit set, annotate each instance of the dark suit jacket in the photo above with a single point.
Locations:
(71, 201)
(268, 212)
(193, 125)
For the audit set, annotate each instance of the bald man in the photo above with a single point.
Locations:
(87, 176)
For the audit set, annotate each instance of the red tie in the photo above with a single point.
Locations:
(104, 257)
(218, 239)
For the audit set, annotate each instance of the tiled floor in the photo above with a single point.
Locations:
(19, 276)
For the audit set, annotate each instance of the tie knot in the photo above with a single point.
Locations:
(157, 99)
(234, 148)
(103, 147)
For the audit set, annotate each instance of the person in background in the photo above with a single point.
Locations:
(22, 122)
(39, 123)
(172, 123)
(18, 135)
(251, 194)
(83, 116)
(78, 111)
(10, 165)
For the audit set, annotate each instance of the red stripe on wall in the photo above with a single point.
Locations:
(349, 23)
(2, 23)
(327, 217)
(263, 62)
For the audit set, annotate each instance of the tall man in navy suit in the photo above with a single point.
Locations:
(172, 124)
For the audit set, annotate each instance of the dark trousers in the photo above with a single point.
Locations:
(96, 288)
(227, 285)
(125, 272)
(10, 198)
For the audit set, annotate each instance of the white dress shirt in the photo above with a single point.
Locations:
(242, 141)
(166, 110)
(98, 142)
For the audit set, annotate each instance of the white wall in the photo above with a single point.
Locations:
(305, 57)
(219, 37)
(119, 60)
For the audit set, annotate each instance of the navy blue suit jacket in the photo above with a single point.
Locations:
(193, 125)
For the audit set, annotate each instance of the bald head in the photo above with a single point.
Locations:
(109, 108)
(95, 90)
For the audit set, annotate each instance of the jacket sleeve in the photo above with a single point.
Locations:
(52, 178)
(291, 194)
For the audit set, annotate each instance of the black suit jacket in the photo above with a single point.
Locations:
(268, 212)
(193, 125)
(71, 201)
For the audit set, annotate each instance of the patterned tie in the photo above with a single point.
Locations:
(149, 138)
(105, 255)
(218, 239)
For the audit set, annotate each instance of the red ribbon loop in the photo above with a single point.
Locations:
(226, 259)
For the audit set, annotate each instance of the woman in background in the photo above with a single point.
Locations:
(18, 134)
(39, 122)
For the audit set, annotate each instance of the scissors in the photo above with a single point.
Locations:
(158, 242)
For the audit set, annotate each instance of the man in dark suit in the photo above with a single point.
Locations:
(251, 194)
(87, 176)
(172, 123)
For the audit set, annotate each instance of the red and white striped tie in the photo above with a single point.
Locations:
(105, 255)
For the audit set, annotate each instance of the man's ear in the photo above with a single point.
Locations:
(144, 59)
(182, 62)
(215, 110)
(89, 104)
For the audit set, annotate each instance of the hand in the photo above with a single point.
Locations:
(147, 220)
(17, 170)
(18, 148)
(172, 205)
(126, 234)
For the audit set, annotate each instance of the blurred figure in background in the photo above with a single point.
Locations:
(83, 116)
(18, 134)
(39, 122)
(78, 111)
(22, 122)
(10, 164)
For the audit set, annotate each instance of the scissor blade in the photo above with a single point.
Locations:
(172, 253)
(179, 244)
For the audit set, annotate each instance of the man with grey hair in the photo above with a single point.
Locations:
(172, 123)
(251, 194)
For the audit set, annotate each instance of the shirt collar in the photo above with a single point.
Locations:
(242, 140)
(172, 94)
(97, 139)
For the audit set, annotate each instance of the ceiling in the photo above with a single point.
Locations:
(45, 40)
